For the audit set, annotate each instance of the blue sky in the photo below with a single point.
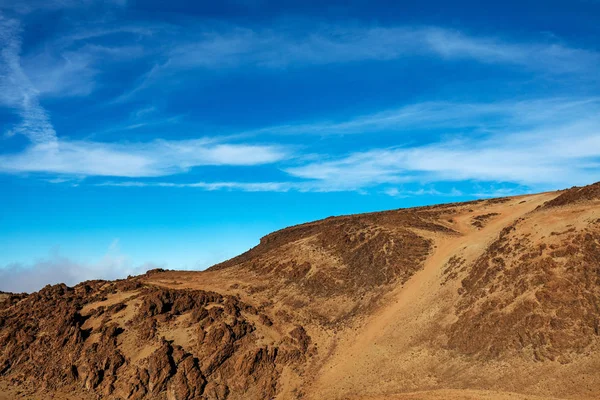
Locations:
(144, 134)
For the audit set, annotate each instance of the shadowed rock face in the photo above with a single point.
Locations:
(387, 298)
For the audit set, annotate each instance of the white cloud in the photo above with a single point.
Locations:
(277, 186)
(401, 193)
(64, 67)
(452, 115)
(62, 72)
(63, 75)
(143, 82)
(57, 268)
(17, 91)
(547, 143)
(144, 112)
(275, 48)
(157, 158)
(477, 190)
(48, 154)
(67, 65)
(212, 186)
(70, 65)
(510, 130)
(552, 57)
(553, 156)
(321, 186)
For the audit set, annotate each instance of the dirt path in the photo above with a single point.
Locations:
(386, 344)
(458, 395)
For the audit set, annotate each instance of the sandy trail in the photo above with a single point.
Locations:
(388, 337)
(448, 394)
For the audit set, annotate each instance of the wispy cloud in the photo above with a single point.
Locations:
(452, 115)
(233, 47)
(275, 186)
(57, 268)
(401, 193)
(509, 130)
(150, 159)
(275, 48)
(147, 79)
(49, 154)
(72, 64)
(63, 72)
(550, 142)
(272, 186)
(558, 156)
(212, 186)
(479, 190)
(16, 90)
(538, 142)
(551, 57)
(69, 64)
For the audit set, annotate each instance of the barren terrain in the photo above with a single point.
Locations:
(491, 299)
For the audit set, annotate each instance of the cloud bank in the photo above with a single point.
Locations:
(56, 268)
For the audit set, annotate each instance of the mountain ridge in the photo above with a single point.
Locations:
(495, 298)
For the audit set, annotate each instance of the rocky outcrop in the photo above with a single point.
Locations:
(539, 300)
(575, 195)
(96, 349)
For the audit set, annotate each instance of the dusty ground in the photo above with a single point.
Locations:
(458, 395)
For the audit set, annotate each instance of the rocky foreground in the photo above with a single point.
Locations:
(491, 299)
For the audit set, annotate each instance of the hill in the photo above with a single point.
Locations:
(490, 299)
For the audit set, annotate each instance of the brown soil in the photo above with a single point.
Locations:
(491, 299)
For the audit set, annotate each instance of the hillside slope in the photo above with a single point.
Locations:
(491, 299)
